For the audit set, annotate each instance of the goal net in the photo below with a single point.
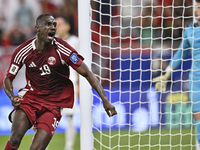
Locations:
(132, 42)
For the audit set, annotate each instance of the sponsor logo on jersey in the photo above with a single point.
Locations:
(13, 69)
(51, 60)
(32, 64)
(74, 58)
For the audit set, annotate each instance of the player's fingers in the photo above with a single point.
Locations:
(16, 101)
(164, 87)
(111, 112)
(108, 112)
(157, 86)
(160, 86)
(156, 79)
(15, 104)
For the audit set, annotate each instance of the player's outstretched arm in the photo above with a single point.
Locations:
(94, 82)
(161, 81)
(8, 88)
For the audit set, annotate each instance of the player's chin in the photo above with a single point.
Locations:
(50, 38)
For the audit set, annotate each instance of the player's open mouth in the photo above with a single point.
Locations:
(51, 35)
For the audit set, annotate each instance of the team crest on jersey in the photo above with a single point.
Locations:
(51, 60)
(74, 58)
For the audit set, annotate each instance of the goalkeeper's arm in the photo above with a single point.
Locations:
(161, 81)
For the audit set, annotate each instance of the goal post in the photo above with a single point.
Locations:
(86, 137)
(132, 42)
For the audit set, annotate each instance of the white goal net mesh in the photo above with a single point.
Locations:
(132, 42)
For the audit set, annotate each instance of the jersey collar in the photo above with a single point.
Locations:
(33, 43)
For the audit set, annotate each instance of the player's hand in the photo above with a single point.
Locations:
(161, 82)
(109, 108)
(16, 101)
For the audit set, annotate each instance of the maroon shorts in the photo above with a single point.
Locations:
(46, 118)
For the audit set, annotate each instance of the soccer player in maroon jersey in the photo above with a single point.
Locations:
(47, 60)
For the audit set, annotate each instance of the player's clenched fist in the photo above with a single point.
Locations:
(109, 108)
(15, 101)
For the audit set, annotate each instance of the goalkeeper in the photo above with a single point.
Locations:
(190, 42)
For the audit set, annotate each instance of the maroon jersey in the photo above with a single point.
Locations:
(47, 73)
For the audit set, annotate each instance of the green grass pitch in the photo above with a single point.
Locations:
(124, 140)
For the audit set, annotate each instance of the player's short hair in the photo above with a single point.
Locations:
(39, 18)
(197, 0)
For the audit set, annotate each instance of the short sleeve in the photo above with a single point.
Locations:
(75, 60)
(13, 68)
(68, 54)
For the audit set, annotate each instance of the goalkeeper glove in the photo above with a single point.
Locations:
(161, 81)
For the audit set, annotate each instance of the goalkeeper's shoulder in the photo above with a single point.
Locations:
(191, 25)
(189, 29)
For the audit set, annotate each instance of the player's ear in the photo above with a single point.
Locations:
(37, 28)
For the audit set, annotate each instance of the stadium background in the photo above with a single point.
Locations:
(15, 30)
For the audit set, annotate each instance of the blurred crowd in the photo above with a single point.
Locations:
(117, 23)
(17, 25)
(141, 21)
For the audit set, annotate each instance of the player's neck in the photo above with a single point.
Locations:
(41, 46)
